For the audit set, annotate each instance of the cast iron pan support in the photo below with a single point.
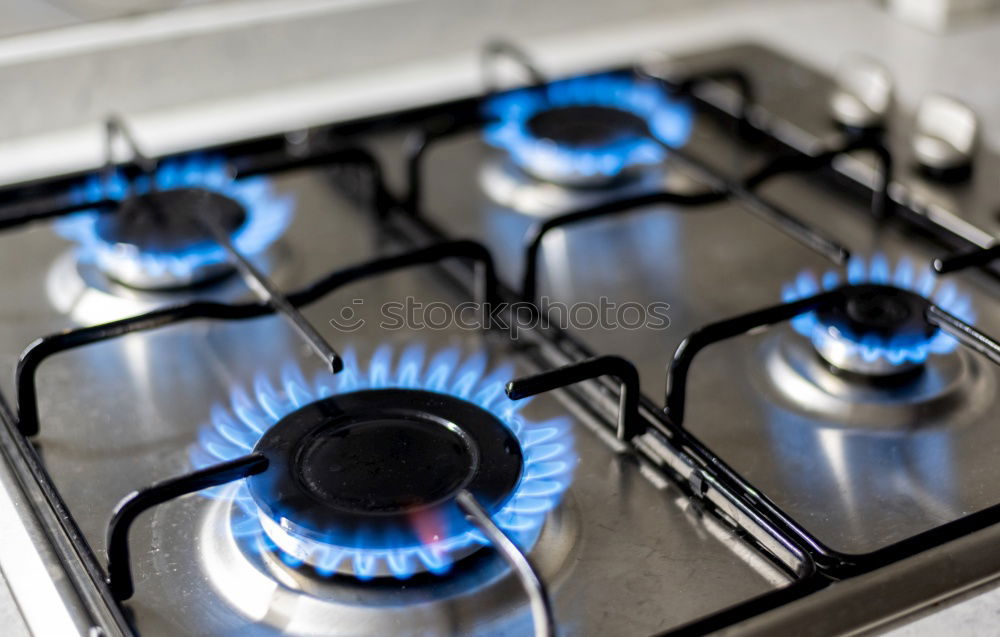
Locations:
(382, 200)
(43, 348)
(629, 423)
(419, 143)
(979, 257)
(115, 127)
(857, 140)
(497, 50)
(21, 214)
(119, 564)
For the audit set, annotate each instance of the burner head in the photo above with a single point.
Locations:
(586, 126)
(872, 314)
(381, 464)
(366, 464)
(151, 243)
(587, 131)
(879, 328)
(164, 223)
(880, 310)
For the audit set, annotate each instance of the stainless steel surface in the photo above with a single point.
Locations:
(830, 465)
(100, 444)
(795, 112)
(627, 552)
(875, 603)
(36, 597)
(796, 377)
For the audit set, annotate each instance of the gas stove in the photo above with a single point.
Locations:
(700, 344)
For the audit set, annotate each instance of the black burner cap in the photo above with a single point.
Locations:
(371, 463)
(587, 126)
(883, 310)
(161, 221)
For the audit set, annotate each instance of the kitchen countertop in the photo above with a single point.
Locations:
(222, 71)
(19, 17)
(219, 72)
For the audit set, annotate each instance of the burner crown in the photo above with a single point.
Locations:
(365, 463)
(587, 131)
(879, 329)
(142, 248)
(447, 422)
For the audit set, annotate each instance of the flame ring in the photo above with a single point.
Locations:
(669, 122)
(267, 215)
(547, 448)
(871, 348)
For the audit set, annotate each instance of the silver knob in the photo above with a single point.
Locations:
(946, 135)
(862, 95)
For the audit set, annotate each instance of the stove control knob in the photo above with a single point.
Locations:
(862, 94)
(945, 138)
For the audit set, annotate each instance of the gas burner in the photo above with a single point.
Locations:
(587, 131)
(884, 319)
(879, 329)
(383, 465)
(365, 467)
(161, 223)
(153, 243)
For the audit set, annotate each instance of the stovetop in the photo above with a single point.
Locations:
(778, 477)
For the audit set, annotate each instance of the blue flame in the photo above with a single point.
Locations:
(669, 122)
(898, 350)
(267, 214)
(547, 449)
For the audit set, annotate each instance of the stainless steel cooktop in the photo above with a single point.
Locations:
(803, 461)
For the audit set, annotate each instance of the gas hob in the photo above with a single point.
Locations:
(675, 348)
